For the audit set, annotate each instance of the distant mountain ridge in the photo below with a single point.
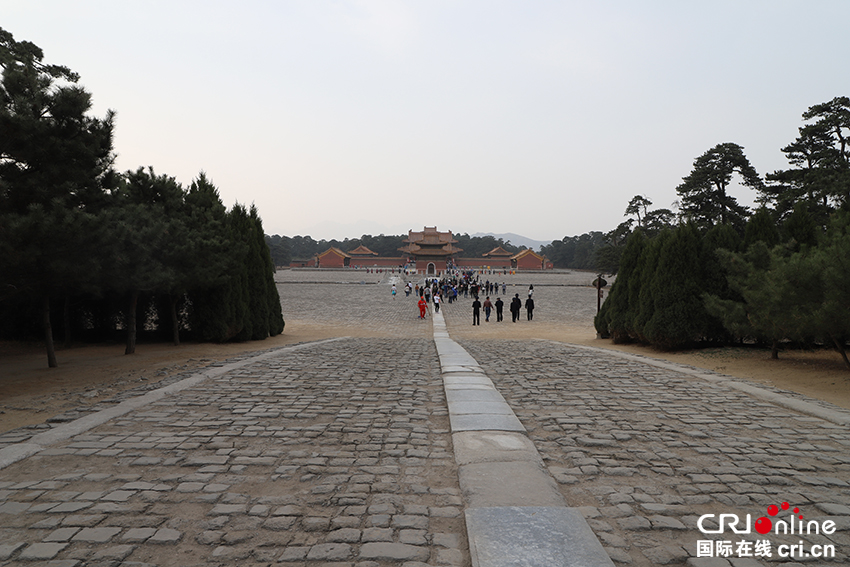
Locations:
(517, 239)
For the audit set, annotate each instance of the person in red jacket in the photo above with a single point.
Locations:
(423, 305)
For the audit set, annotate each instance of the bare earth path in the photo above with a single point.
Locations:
(339, 452)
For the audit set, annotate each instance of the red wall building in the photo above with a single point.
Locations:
(332, 258)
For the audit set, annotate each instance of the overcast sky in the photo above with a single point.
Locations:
(364, 117)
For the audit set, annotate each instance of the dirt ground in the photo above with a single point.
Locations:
(30, 392)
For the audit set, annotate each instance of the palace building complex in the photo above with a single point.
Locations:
(431, 252)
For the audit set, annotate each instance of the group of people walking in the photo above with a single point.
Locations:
(434, 292)
(515, 307)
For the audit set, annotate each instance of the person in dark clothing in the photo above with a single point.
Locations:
(499, 305)
(476, 312)
(529, 308)
(516, 304)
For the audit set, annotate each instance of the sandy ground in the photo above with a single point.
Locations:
(30, 392)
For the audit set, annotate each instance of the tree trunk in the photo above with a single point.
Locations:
(48, 331)
(130, 322)
(175, 323)
(774, 352)
(66, 320)
(839, 346)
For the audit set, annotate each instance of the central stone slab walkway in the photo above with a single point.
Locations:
(514, 512)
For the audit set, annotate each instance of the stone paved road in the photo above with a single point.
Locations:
(335, 454)
(339, 453)
(646, 451)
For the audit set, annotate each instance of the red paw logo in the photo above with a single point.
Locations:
(764, 524)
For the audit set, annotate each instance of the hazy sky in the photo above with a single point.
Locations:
(534, 117)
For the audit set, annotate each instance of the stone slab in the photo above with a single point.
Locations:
(448, 368)
(493, 446)
(474, 395)
(462, 408)
(468, 387)
(460, 378)
(532, 537)
(517, 483)
(485, 422)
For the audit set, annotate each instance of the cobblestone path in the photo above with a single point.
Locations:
(335, 454)
(646, 451)
(340, 453)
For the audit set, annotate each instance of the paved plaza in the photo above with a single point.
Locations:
(341, 452)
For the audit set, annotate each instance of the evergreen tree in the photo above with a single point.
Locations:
(704, 199)
(245, 305)
(612, 319)
(271, 315)
(641, 290)
(55, 164)
(679, 318)
(779, 294)
(715, 280)
(636, 205)
(820, 155)
(832, 262)
(761, 228)
(800, 227)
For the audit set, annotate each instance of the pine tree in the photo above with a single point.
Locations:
(779, 291)
(832, 262)
(56, 164)
(704, 199)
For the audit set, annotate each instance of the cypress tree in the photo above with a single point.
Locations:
(714, 275)
(800, 227)
(644, 296)
(210, 313)
(611, 319)
(679, 318)
(237, 293)
(761, 227)
(273, 313)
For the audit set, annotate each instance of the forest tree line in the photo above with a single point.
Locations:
(101, 254)
(717, 272)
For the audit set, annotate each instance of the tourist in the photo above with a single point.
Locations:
(504, 288)
(530, 290)
(476, 312)
(436, 302)
(487, 308)
(516, 304)
(499, 305)
(423, 305)
(394, 290)
(529, 307)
